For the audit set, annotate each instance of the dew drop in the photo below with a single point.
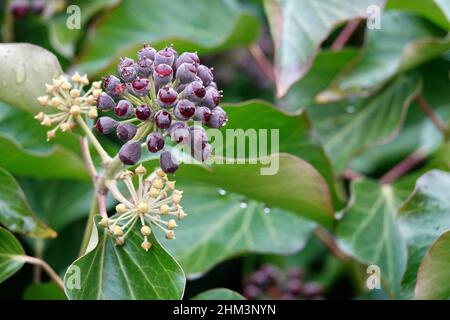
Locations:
(350, 109)
(222, 192)
(266, 210)
(243, 205)
(20, 74)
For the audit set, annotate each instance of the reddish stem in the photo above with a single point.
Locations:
(428, 110)
(345, 35)
(406, 165)
(262, 61)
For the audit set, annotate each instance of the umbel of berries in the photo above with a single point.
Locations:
(161, 98)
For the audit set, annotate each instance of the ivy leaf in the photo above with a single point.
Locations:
(218, 294)
(404, 42)
(23, 139)
(346, 132)
(24, 71)
(15, 213)
(423, 217)
(111, 272)
(298, 28)
(434, 271)
(220, 225)
(190, 25)
(296, 136)
(369, 231)
(43, 291)
(10, 253)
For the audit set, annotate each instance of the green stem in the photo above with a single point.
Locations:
(89, 226)
(102, 153)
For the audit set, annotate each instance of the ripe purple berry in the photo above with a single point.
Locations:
(105, 102)
(203, 114)
(184, 109)
(218, 118)
(141, 86)
(163, 119)
(203, 153)
(165, 56)
(179, 134)
(128, 74)
(195, 91)
(146, 52)
(163, 74)
(143, 112)
(19, 8)
(155, 142)
(187, 57)
(126, 131)
(124, 109)
(106, 125)
(211, 98)
(38, 6)
(168, 163)
(205, 74)
(145, 67)
(187, 72)
(109, 84)
(130, 153)
(167, 96)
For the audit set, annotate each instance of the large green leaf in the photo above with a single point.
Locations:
(369, 232)
(44, 291)
(111, 272)
(191, 25)
(296, 136)
(404, 42)
(23, 139)
(423, 217)
(434, 272)
(15, 213)
(437, 11)
(349, 128)
(298, 28)
(218, 294)
(221, 225)
(296, 186)
(24, 71)
(10, 252)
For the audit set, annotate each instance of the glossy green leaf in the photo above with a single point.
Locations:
(423, 217)
(189, 25)
(298, 28)
(44, 291)
(218, 294)
(296, 186)
(296, 136)
(349, 128)
(369, 232)
(111, 272)
(437, 11)
(15, 213)
(23, 139)
(10, 252)
(404, 42)
(24, 71)
(434, 272)
(221, 225)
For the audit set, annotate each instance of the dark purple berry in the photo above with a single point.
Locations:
(128, 74)
(146, 52)
(105, 102)
(205, 74)
(165, 56)
(207, 150)
(145, 67)
(211, 98)
(38, 6)
(106, 125)
(203, 114)
(312, 289)
(187, 57)
(124, 109)
(125, 63)
(141, 86)
(155, 142)
(19, 8)
(295, 287)
(295, 273)
(187, 72)
(184, 109)
(126, 131)
(168, 162)
(195, 91)
(163, 119)
(163, 74)
(180, 134)
(143, 112)
(167, 96)
(130, 153)
(180, 88)
(218, 118)
(109, 85)
(251, 291)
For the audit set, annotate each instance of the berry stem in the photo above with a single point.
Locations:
(89, 227)
(262, 61)
(345, 35)
(112, 186)
(102, 153)
(88, 159)
(437, 121)
(407, 164)
(46, 267)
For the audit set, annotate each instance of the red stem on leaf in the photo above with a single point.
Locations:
(345, 35)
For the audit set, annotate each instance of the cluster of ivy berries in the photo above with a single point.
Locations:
(172, 95)
(270, 283)
(21, 8)
(154, 201)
